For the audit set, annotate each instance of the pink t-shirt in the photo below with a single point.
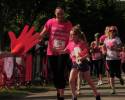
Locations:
(102, 38)
(96, 54)
(58, 35)
(79, 49)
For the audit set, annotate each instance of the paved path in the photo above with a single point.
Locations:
(86, 93)
(49, 93)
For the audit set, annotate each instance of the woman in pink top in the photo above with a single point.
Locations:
(101, 40)
(58, 29)
(78, 50)
(97, 58)
(102, 37)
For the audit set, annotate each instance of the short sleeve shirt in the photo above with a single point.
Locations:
(112, 54)
(58, 35)
(79, 49)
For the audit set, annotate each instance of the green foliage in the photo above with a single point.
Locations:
(92, 15)
(39, 21)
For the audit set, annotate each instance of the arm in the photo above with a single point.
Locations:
(84, 55)
(104, 50)
(43, 33)
(117, 48)
(116, 45)
(92, 47)
(46, 29)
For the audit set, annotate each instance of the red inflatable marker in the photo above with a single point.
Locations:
(27, 39)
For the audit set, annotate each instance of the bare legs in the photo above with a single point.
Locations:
(87, 77)
(79, 79)
(73, 81)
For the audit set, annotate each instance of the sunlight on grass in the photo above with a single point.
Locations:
(12, 92)
(21, 91)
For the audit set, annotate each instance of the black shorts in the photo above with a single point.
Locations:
(84, 66)
(114, 68)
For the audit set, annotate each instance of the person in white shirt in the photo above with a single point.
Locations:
(112, 47)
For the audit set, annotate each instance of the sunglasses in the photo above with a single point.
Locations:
(112, 30)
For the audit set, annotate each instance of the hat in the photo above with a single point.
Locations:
(96, 35)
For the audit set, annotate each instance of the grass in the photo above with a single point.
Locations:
(12, 92)
(22, 92)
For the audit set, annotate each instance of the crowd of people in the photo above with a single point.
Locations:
(67, 46)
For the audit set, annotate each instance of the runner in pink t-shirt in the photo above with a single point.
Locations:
(97, 58)
(58, 29)
(104, 36)
(101, 40)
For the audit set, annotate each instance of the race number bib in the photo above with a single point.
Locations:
(97, 55)
(77, 51)
(59, 44)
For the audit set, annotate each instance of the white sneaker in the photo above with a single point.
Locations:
(99, 82)
(113, 91)
(78, 92)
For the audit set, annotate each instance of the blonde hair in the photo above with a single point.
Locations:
(77, 30)
(113, 28)
(106, 30)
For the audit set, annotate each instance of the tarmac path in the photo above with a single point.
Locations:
(49, 93)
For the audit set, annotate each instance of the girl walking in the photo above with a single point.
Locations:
(78, 50)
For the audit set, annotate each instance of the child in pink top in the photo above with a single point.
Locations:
(78, 50)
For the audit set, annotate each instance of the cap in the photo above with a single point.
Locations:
(96, 35)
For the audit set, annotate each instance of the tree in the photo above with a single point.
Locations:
(92, 15)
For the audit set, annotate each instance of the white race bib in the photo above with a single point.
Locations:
(77, 51)
(59, 44)
(97, 55)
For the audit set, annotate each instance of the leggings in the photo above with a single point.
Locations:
(98, 65)
(58, 64)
